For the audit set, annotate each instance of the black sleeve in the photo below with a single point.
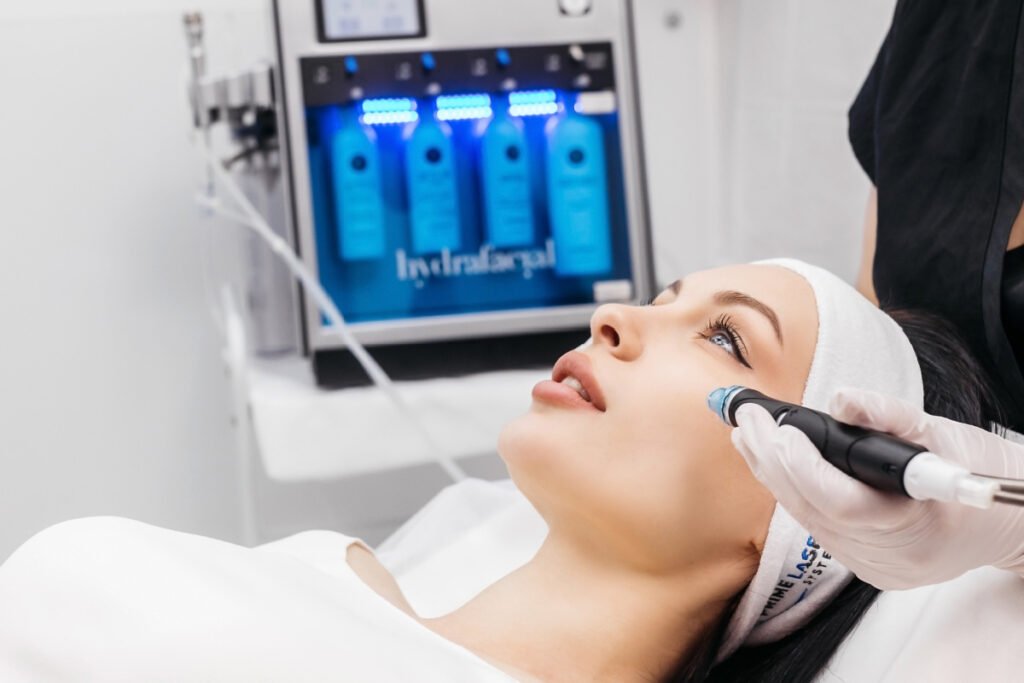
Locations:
(862, 130)
(939, 128)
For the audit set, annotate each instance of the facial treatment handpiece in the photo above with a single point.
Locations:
(880, 460)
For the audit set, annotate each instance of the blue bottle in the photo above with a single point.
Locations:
(508, 204)
(433, 194)
(356, 178)
(578, 195)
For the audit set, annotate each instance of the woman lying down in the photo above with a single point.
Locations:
(666, 560)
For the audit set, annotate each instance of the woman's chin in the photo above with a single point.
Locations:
(515, 438)
(529, 445)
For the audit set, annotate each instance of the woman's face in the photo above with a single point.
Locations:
(643, 472)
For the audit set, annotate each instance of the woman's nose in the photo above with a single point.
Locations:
(616, 328)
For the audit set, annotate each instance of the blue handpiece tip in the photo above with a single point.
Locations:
(718, 399)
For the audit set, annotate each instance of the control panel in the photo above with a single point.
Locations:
(462, 175)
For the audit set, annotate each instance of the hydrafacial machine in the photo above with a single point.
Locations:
(463, 179)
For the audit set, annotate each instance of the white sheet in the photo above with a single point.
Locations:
(114, 600)
(109, 599)
(968, 629)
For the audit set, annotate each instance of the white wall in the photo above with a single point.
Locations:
(112, 399)
(792, 186)
(680, 75)
(745, 117)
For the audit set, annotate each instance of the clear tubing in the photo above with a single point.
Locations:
(251, 218)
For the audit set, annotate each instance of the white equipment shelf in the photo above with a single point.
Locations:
(307, 433)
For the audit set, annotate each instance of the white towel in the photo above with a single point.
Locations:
(858, 346)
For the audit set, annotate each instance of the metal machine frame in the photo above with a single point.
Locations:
(483, 24)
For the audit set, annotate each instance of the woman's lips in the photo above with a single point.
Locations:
(573, 364)
(556, 393)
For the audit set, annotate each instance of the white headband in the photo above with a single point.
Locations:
(858, 346)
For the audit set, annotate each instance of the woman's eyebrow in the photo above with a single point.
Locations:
(733, 298)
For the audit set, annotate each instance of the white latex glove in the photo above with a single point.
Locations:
(887, 540)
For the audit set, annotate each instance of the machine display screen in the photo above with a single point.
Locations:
(467, 201)
(366, 19)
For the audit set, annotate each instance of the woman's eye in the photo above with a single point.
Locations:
(723, 333)
(724, 340)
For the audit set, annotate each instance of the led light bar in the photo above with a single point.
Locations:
(480, 101)
(465, 113)
(389, 117)
(387, 105)
(546, 109)
(527, 97)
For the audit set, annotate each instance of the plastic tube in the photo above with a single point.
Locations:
(252, 219)
(929, 477)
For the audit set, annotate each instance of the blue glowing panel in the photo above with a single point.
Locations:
(506, 183)
(577, 187)
(464, 107)
(355, 172)
(526, 97)
(533, 103)
(462, 102)
(388, 104)
(487, 221)
(389, 111)
(433, 193)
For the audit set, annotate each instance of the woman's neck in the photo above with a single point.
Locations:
(566, 616)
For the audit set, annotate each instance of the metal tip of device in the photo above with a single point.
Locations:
(1009, 499)
(1005, 485)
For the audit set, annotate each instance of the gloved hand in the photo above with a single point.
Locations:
(887, 540)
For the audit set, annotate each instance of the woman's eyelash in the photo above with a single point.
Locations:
(724, 325)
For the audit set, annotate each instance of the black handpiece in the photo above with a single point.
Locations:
(875, 458)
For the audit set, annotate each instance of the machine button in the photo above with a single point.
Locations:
(403, 71)
(428, 62)
(480, 67)
(322, 75)
(575, 8)
(503, 58)
(351, 66)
